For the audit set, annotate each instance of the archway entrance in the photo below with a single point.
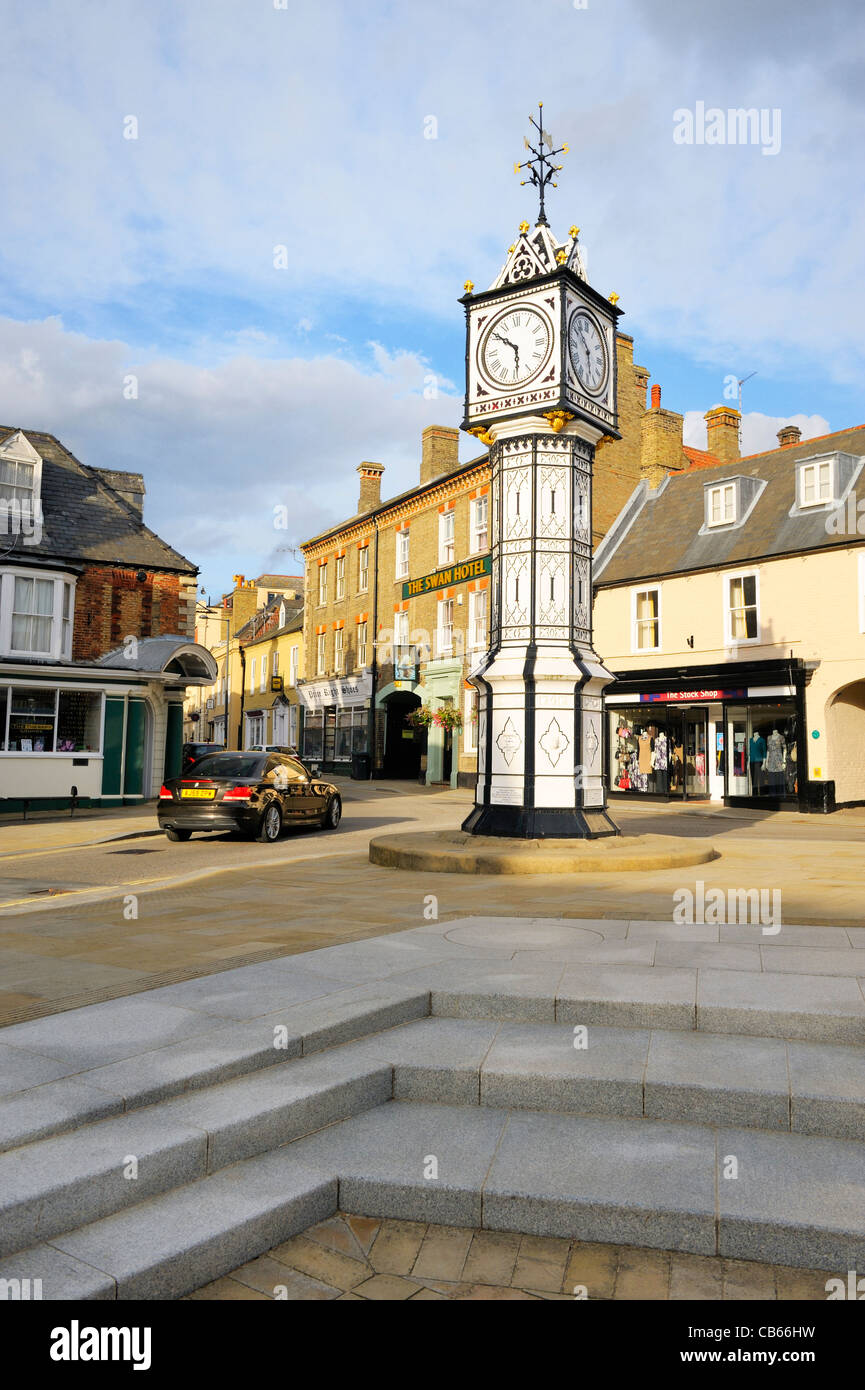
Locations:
(845, 739)
(403, 745)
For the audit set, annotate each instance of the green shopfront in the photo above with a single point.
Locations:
(86, 736)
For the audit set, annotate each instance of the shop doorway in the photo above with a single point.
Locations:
(403, 746)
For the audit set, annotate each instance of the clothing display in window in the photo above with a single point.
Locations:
(776, 762)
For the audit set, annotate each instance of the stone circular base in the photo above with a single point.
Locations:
(455, 852)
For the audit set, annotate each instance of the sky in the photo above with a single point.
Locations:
(235, 232)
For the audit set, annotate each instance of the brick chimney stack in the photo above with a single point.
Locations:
(370, 486)
(788, 436)
(722, 433)
(440, 452)
(661, 439)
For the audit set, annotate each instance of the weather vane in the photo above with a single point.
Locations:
(540, 164)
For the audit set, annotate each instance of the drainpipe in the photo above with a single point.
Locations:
(374, 667)
(242, 652)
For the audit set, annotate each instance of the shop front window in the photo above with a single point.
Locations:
(658, 751)
(763, 743)
(360, 731)
(343, 734)
(313, 747)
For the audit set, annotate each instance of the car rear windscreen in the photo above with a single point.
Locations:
(230, 765)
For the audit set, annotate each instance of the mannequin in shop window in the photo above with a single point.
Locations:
(776, 762)
(659, 762)
(757, 757)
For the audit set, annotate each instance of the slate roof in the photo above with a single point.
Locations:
(657, 532)
(85, 519)
(264, 622)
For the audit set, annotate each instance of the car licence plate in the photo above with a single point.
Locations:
(199, 793)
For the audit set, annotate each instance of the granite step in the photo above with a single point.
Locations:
(688, 1077)
(45, 1093)
(168, 1245)
(794, 1199)
(811, 1008)
(61, 1183)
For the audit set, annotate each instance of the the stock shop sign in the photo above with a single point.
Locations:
(447, 577)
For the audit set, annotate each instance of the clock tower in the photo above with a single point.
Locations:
(541, 393)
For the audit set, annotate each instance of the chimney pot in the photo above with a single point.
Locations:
(788, 436)
(656, 397)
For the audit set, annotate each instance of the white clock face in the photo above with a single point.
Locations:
(588, 351)
(516, 346)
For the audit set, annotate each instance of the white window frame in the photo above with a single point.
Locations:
(263, 683)
(339, 650)
(16, 452)
(480, 505)
(362, 641)
(339, 591)
(447, 536)
(320, 653)
(275, 667)
(444, 630)
(818, 469)
(400, 629)
(363, 569)
(724, 491)
(252, 675)
(479, 631)
(727, 579)
(403, 553)
(636, 622)
(322, 585)
(293, 665)
(292, 726)
(62, 630)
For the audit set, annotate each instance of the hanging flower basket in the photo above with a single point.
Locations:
(448, 717)
(419, 718)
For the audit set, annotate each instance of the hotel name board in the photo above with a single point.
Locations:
(450, 575)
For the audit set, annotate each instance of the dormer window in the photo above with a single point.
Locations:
(730, 501)
(816, 483)
(20, 488)
(721, 505)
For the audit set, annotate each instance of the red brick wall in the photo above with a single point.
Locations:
(111, 604)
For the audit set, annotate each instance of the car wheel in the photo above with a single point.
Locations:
(175, 835)
(271, 824)
(333, 814)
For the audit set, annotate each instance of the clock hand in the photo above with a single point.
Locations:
(506, 341)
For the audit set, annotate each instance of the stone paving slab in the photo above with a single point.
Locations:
(382, 1157)
(539, 1068)
(628, 996)
(621, 1180)
(819, 1008)
(717, 1079)
(107, 1032)
(797, 1200)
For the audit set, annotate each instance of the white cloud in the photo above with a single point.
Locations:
(221, 446)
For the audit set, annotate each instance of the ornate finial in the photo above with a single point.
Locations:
(614, 298)
(511, 250)
(524, 226)
(574, 232)
(561, 255)
(469, 286)
(540, 165)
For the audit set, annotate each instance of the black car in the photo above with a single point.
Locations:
(256, 793)
(193, 751)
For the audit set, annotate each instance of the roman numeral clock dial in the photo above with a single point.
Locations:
(515, 347)
(588, 352)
